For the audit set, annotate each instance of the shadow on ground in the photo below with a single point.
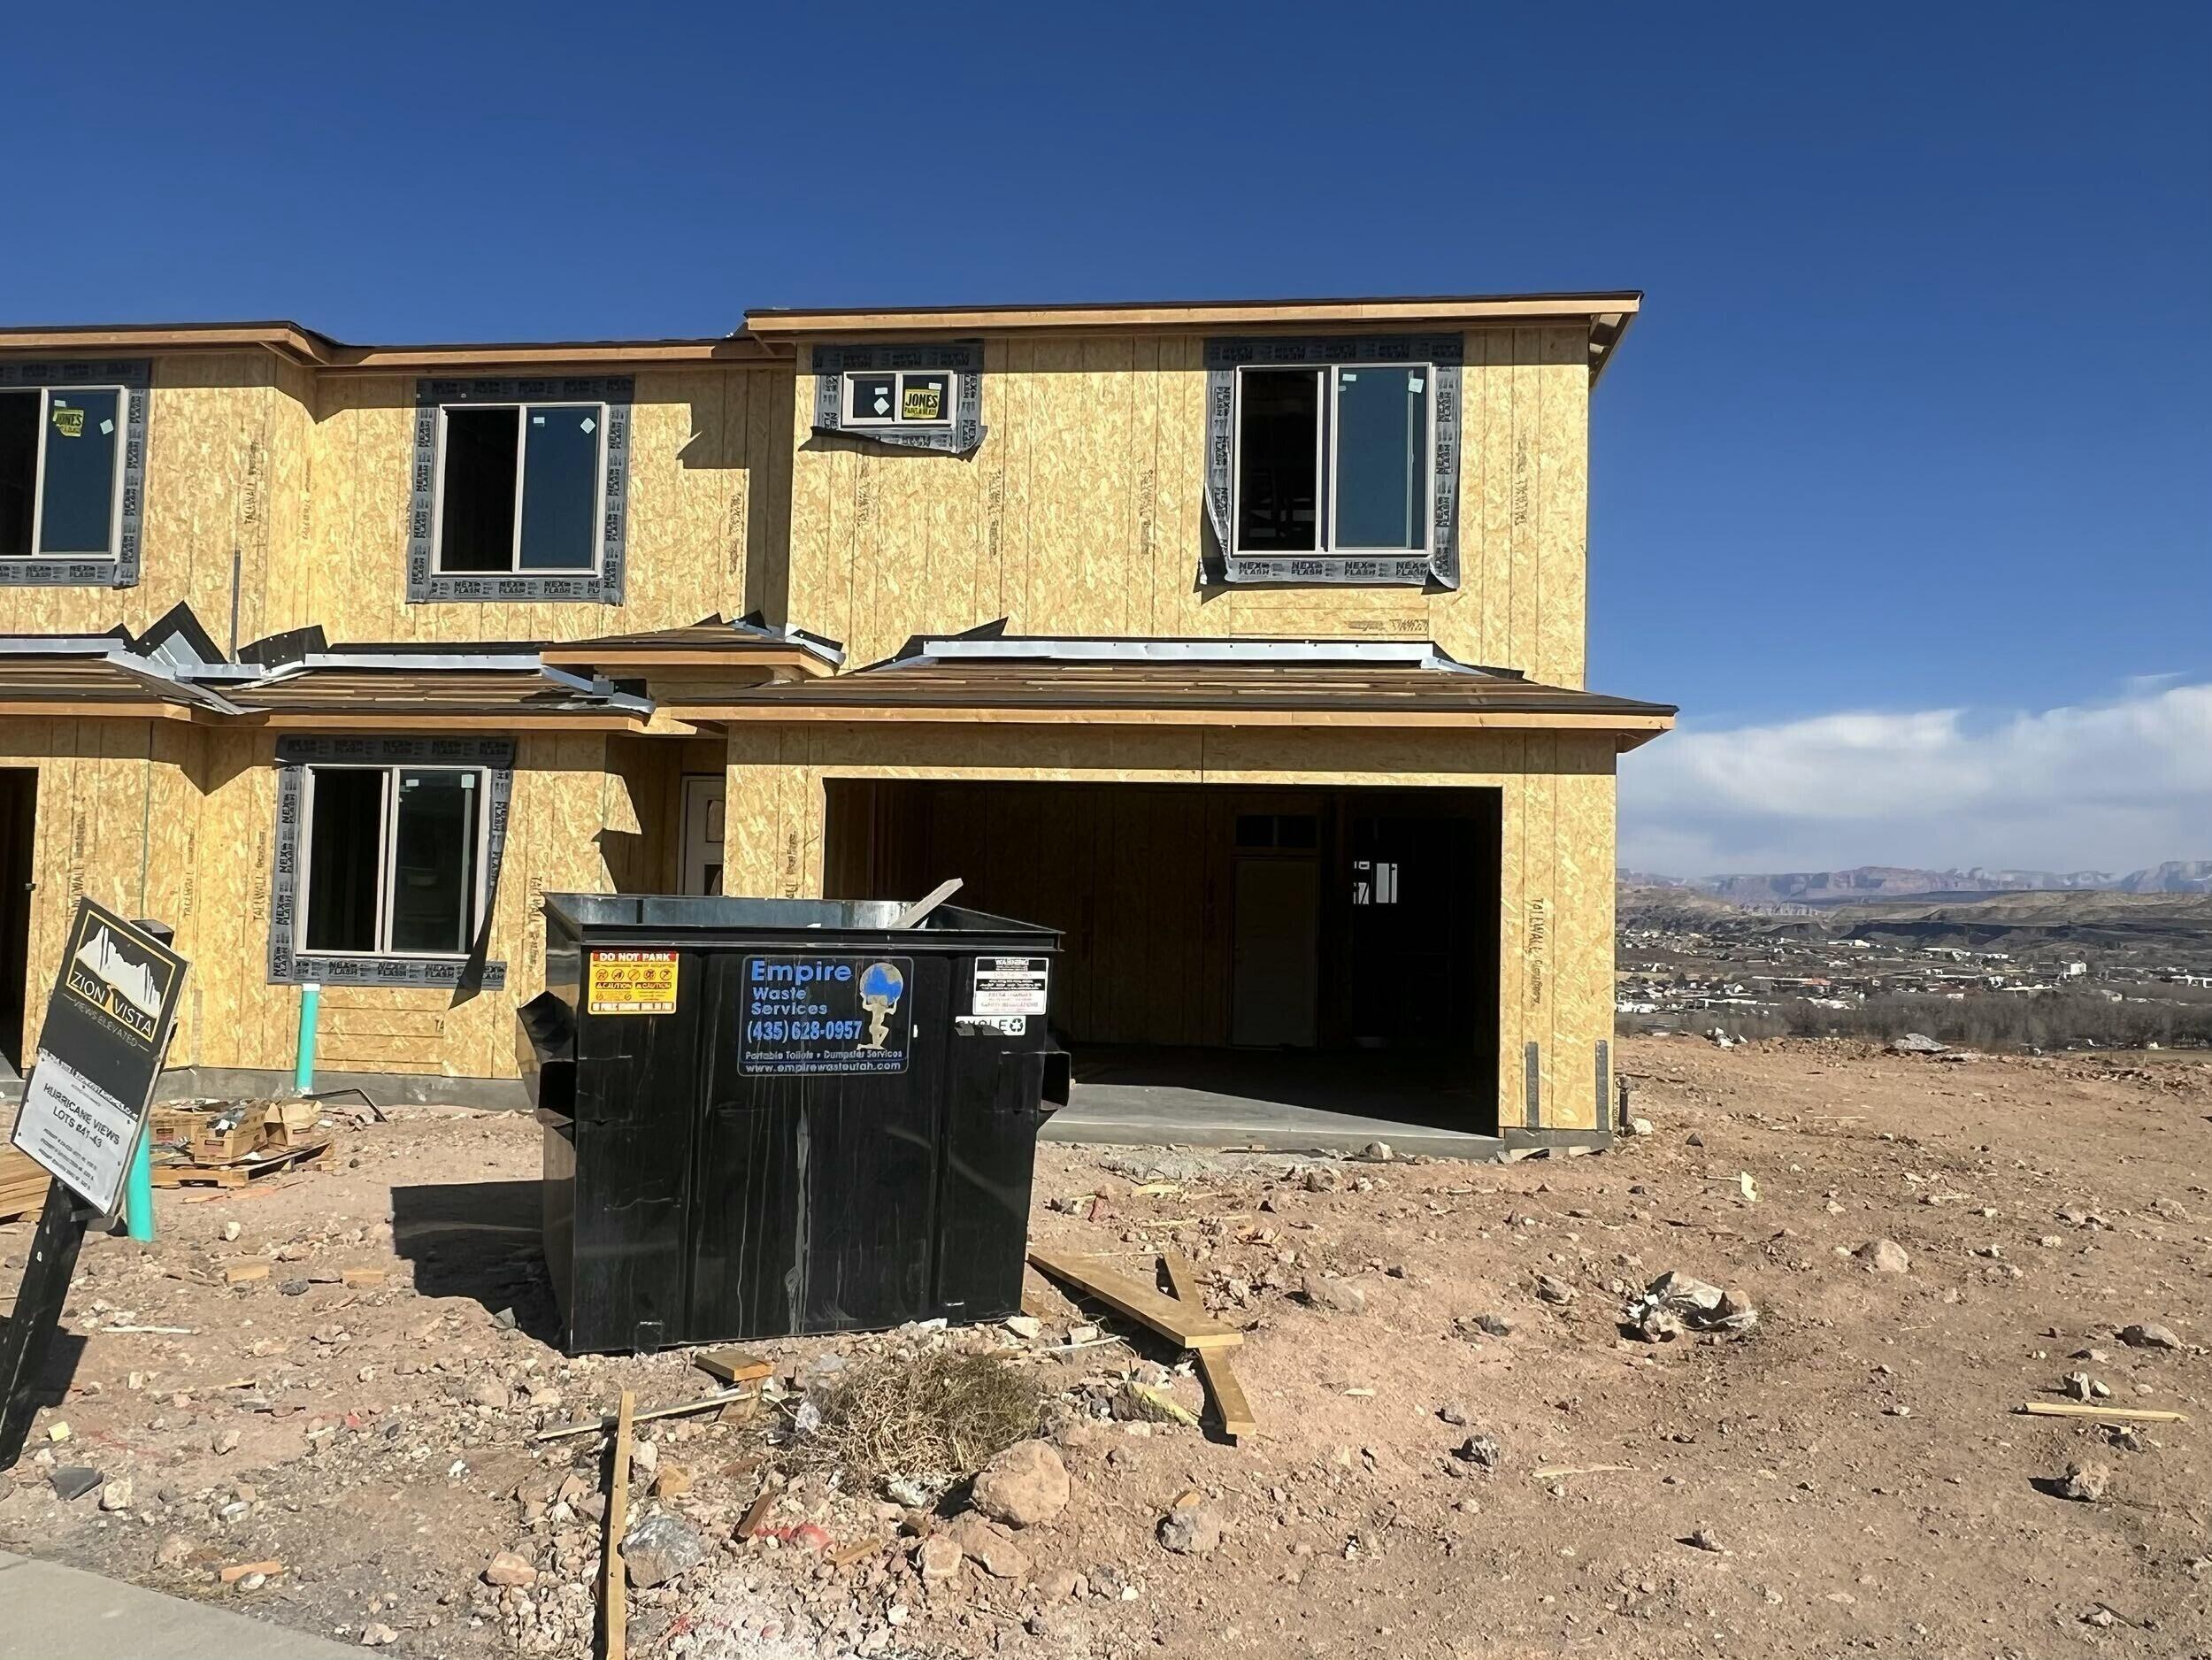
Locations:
(478, 1240)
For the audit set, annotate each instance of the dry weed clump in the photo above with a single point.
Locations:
(939, 1415)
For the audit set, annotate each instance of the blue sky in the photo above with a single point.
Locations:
(1915, 419)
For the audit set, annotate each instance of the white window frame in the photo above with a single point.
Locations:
(896, 418)
(387, 828)
(45, 395)
(1325, 432)
(515, 567)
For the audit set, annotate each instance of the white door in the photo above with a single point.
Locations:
(1277, 970)
(705, 798)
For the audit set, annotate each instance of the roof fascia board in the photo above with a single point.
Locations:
(1420, 654)
(307, 348)
(785, 712)
(1383, 312)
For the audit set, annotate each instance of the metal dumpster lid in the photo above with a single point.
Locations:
(719, 913)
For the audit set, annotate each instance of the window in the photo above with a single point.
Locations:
(1334, 460)
(61, 472)
(519, 488)
(911, 398)
(394, 860)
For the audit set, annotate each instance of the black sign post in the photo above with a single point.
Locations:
(84, 1108)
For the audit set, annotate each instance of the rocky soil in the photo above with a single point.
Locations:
(1478, 1436)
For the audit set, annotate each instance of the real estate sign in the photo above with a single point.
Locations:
(107, 1028)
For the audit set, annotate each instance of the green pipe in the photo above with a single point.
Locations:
(310, 1010)
(138, 1186)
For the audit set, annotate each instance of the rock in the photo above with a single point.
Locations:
(1883, 1257)
(1452, 1413)
(1379, 1151)
(74, 1481)
(645, 1458)
(173, 1551)
(1320, 1179)
(489, 1392)
(1493, 1325)
(1640, 1126)
(298, 1288)
(509, 1568)
(223, 1442)
(1029, 1328)
(1192, 1530)
(2084, 1479)
(1703, 1540)
(2149, 1336)
(660, 1548)
(231, 1230)
(1023, 1486)
(1063, 1585)
(1552, 1289)
(1339, 1297)
(116, 1495)
(1480, 1450)
(1915, 1043)
(938, 1558)
(375, 1636)
(671, 1482)
(990, 1546)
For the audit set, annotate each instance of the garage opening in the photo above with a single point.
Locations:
(1334, 948)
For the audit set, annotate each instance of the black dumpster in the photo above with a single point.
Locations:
(772, 1116)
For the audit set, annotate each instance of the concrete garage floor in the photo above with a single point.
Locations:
(1283, 1101)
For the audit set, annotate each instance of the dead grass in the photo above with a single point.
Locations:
(939, 1415)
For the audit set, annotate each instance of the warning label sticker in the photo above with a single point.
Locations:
(631, 982)
(1010, 985)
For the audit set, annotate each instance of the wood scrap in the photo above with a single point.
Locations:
(1222, 1388)
(2076, 1409)
(846, 1555)
(614, 1605)
(1552, 1473)
(706, 1403)
(756, 1513)
(238, 1570)
(1171, 1319)
(733, 1365)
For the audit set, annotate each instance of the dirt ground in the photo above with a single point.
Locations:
(1851, 1474)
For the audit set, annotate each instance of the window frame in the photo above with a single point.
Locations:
(592, 571)
(1327, 430)
(386, 830)
(44, 392)
(896, 421)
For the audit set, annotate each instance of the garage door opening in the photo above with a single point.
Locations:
(1334, 948)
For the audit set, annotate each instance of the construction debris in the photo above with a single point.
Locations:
(1675, 1302)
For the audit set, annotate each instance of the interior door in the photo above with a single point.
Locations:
(706, 798)
(1276, 959)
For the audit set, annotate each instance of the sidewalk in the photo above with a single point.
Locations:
(50, 1612)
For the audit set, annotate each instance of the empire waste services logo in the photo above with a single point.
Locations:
(114, 977)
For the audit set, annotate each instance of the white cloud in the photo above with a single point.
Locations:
(2112, 787)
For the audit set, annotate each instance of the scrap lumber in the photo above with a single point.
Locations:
(705, 1403)
(614, 1606)
(1173, 1320)
(763, 1500)
(1222, 1388)
(733, 1365)
(2076, 1409)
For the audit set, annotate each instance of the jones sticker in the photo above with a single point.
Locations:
(1010, 985)
(807, 1015)
(631, 982)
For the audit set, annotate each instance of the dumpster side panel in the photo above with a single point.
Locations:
(636, 1085)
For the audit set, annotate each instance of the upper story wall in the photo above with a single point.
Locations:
(1082, 512)
(307, 478)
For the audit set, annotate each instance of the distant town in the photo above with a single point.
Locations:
(1994, 966)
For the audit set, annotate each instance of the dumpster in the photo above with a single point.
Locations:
(768, 1117)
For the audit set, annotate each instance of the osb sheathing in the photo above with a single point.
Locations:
(157, 819)
(709, 468)
(1555, 968)
(222, 465)
(1082, 514)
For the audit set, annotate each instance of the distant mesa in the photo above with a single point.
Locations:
(132, 981)
(1888, 881)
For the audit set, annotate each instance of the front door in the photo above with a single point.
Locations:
(705, 798)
